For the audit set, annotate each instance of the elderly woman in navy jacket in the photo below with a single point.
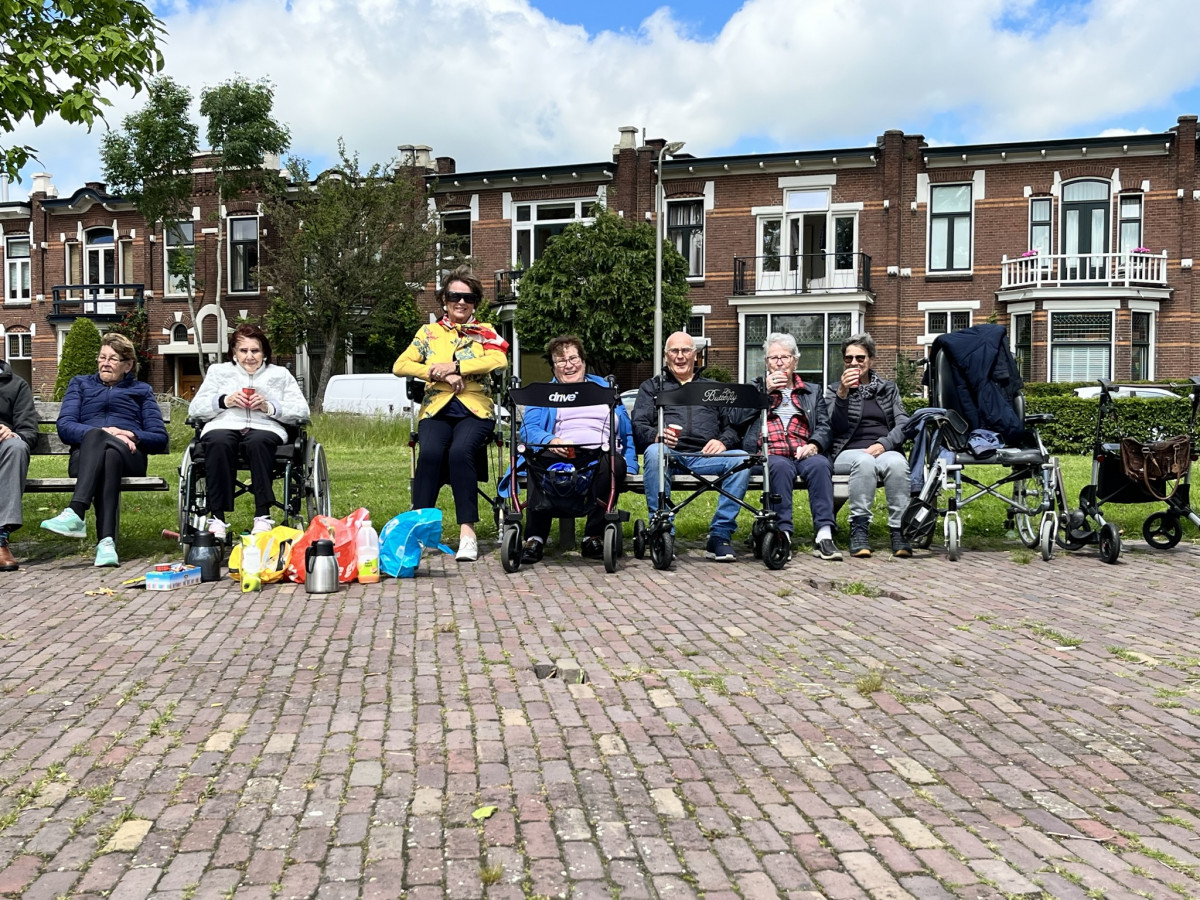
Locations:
(112, 421)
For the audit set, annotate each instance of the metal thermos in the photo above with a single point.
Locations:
(320, 568)
(205, 552)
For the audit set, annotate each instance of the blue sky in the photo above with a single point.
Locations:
(499, 83)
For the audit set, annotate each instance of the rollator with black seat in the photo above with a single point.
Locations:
(684, 469)
(1128, 470)
(563, 479)
(977, 418)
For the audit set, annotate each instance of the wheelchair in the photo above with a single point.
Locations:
(945, 443)
(300, 465)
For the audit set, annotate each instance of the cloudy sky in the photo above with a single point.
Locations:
(496, 83)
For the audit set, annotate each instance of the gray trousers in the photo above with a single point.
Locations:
(866, 472)
(14, 465)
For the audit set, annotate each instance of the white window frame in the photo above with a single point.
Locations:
(580, 206)
(8, 345)
(18, 272)
(1048, 224)
(1149, 308)
(1122, 220)
(456, 215)
(176, 285)
(948, 308)
(695, 267)
(951, 217)
(1053, 309)
(773, 311)
(1017, 310)
(241, 243)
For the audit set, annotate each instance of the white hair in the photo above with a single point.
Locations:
(784, 340)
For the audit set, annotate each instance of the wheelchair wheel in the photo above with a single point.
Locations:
(191, 498)
(1162, 530)
(662, 549)
(317, 501)
(953, 538)
(1110, 543)
(1046, 535)
(776, 549)
(1028, 493)
(510, 548)
(612, 547)
(639, 539)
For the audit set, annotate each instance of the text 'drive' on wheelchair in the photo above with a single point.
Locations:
(1126, 470)
(559, 479)
(945, 443)
(657, 536)
(300, 469)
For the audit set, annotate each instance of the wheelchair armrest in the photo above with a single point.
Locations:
(1039, 418)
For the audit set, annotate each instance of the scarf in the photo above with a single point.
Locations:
(868, 390)
(478, 332)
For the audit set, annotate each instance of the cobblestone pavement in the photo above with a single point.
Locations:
(997, 727)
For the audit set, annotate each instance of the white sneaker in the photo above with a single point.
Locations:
(262, 524)
(217, 528)
(468, 549)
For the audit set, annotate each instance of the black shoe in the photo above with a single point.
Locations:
(592, 548)
(860, 540)
(826, 550)
(900, 547)
(531, 552)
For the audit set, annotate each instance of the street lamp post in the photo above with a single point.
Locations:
(660, 234)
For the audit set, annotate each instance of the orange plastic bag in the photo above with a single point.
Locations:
(344, 533)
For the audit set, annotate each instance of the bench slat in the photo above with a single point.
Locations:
(67, 485)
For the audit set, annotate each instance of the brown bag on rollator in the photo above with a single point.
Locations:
(1158, 466)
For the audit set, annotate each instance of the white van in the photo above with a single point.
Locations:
(372, 395)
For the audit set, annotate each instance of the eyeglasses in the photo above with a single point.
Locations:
(680, 351)
(109, 359)
(779, 359)
(568, 361)
(462, 297)
(855, 358)
(248, 351)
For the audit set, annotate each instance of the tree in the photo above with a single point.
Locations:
(597, 281)
(149, 163)
(57, 54)
(354, 249)
(81, 346)
(241, 131)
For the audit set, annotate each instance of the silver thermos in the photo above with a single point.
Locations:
(320, 568)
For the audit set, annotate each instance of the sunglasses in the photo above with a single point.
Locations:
(462, 297)
(853, 359)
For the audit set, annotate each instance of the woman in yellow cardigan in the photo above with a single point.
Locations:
(456, 356)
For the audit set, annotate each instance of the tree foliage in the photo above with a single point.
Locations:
(354, 249)
(597, 281)
(149, 163)
(81, 346)
(57, 55)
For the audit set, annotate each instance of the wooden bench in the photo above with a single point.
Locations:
(49, 444)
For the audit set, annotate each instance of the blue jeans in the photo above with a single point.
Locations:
(724, 520)
(817, 472)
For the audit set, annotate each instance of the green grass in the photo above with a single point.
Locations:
(369, 465)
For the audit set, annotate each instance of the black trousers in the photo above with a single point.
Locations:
(221, 447)
(98, 465)
(452, 439)
(593, 526)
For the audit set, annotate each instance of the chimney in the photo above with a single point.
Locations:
(418, 156)
(628, 137)
(97, 186)
(42, 185)
(3, 188)
(445, 165)
(271, 162)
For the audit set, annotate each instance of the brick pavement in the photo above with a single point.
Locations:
(1033, 731)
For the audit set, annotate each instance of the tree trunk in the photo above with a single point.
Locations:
(332, 340)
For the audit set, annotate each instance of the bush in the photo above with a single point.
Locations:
(80, 349)
(718, 373)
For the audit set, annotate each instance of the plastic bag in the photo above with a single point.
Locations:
(276, 548)
(403, 539)
(344, 533)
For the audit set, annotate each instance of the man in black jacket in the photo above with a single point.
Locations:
(18, 434)
(706, 437)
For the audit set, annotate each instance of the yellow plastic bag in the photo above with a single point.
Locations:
(276, 547)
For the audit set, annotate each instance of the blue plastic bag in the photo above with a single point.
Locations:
(403, 539)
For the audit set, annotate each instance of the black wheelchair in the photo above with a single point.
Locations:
(300, 465)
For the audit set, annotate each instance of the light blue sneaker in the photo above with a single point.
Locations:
(106, 553)
(67, 523)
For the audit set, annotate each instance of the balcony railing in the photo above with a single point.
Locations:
(1092, 269)
(104, 302)
(801, 273)
(508, 283)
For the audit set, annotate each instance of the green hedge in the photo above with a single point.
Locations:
(1074, 425)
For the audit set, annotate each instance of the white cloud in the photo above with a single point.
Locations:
(496, 83)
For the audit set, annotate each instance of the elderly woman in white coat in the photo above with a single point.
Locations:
(246, 405)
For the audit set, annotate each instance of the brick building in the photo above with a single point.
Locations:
(1083, 248)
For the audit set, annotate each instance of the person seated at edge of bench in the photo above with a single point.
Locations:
(111, 420)
(867, 418)
(582, 426)
(18, 436)
(797, 435)
(706, 438)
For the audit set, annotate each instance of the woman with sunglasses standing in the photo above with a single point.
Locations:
(867, 418)
(456, 357)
